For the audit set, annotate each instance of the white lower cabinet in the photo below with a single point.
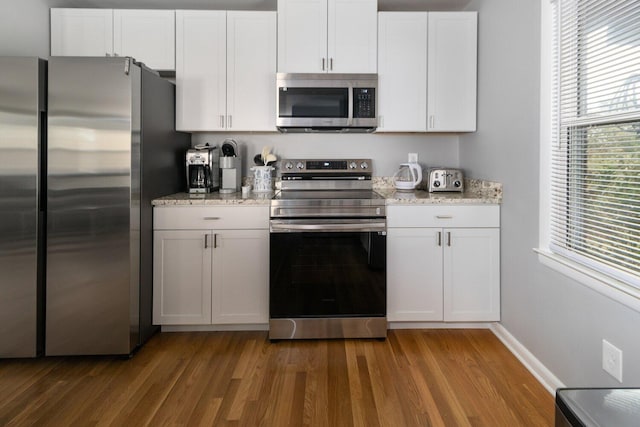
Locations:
(211, 276)
(443, 263)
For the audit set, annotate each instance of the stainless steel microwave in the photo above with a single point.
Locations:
(326, 102)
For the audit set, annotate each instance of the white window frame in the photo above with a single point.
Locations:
(600, 282)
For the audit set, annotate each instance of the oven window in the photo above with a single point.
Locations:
(327, 275)
(314, 102)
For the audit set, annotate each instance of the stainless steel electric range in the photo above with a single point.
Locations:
(327, 252)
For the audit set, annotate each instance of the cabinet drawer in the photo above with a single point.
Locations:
(205, 218)
(443, 216)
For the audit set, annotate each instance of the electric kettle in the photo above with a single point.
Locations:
(408, 176)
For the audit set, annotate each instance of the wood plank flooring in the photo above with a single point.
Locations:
(414, 378)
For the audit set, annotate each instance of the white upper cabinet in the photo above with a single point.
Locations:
(335, 36)
(81, 32)
(146, 35)
(201, 71)
(225, 70)
(251, 70)
(352, 36)
(427, 71)
(402, 71)
(452, 71)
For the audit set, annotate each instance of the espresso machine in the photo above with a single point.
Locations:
(230, 167)
(203, 173)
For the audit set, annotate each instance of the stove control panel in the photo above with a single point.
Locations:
(321, 166)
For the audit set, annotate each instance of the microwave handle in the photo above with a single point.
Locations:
(350, 116)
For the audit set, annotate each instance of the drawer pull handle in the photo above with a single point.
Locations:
(444, 216)
(211, 218)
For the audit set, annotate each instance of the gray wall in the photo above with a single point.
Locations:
(559, 320)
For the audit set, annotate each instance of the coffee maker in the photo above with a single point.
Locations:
(203, 173)
(230, 167)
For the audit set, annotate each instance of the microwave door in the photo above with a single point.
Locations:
(314, 106)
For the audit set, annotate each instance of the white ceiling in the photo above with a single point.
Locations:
(247, 4)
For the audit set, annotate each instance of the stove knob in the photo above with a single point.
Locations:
(353, 165)
(457, 184)
(300, 165)
(288, 165)
(436, 184)
(364, 165)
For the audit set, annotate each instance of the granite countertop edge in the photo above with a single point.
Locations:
(477, 192)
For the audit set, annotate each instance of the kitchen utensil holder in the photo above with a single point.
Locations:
(262, 182)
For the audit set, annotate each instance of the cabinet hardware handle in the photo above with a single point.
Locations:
(439, 238)
(448, 238)
(206, 241)
(229, 121)
(211, 218)
(331, 64)
(215, 241)
(322, 64)
(431, 122)
(444, 216)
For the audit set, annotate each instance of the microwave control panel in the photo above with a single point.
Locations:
(364, 102)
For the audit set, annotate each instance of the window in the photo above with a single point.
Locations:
(594, 207)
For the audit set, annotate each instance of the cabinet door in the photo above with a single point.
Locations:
(472, 274)
(201, 69)
(251, 69)
(302, 36)
(146, 35)
(81, 32)
(182, 277)
(240, 277)
(414, 274)
(402, 70)
(352, 36)
(452, 71)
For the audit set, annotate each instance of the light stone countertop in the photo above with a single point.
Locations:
(476, 192)
(211, 199)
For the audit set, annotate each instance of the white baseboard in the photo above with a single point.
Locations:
(537, 369)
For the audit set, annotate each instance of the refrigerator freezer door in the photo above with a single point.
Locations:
(21, 114)
(89, 238)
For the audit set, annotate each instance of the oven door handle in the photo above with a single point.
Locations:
(296, 226)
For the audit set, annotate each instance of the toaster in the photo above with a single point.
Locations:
(445, 179)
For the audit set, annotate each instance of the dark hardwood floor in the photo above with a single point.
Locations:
(414, 378)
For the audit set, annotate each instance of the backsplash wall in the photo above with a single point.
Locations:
(387, 150)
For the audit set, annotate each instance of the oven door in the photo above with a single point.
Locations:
(328, 268)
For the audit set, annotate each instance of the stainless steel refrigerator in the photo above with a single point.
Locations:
(22, 134)
(112, 148)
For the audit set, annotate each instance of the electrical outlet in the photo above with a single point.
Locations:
(413, 157)
(612, 360)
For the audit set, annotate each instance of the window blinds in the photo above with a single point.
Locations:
(595, 165)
